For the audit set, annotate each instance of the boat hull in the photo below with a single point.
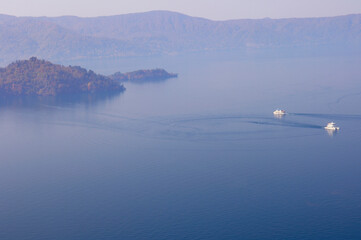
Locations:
(332, 128)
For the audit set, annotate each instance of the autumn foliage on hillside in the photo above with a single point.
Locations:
(40, 77)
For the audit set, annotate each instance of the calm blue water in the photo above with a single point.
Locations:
(198, 157)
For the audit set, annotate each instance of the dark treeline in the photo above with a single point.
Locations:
(143, 75)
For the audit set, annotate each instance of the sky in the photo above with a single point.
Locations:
(212, 9)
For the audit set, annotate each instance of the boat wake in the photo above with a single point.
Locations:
(329, 116)
(288, 124)
(340, 99)
(215, 127)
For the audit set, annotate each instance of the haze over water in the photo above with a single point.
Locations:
(197, 157)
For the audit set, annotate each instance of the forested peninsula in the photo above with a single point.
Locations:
(43, 78)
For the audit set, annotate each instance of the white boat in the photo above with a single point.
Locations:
(332, 126)
(279, 112)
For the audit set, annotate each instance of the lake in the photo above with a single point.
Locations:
(196, 157)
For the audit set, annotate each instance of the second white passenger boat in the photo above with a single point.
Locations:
(332, 126)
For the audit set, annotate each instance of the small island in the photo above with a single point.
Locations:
(36, 77)
(143, 76)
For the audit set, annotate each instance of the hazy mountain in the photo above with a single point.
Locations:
(25, 37)
(182, 31)
(162, 32)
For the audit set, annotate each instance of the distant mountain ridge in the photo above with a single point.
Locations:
(163, 32)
